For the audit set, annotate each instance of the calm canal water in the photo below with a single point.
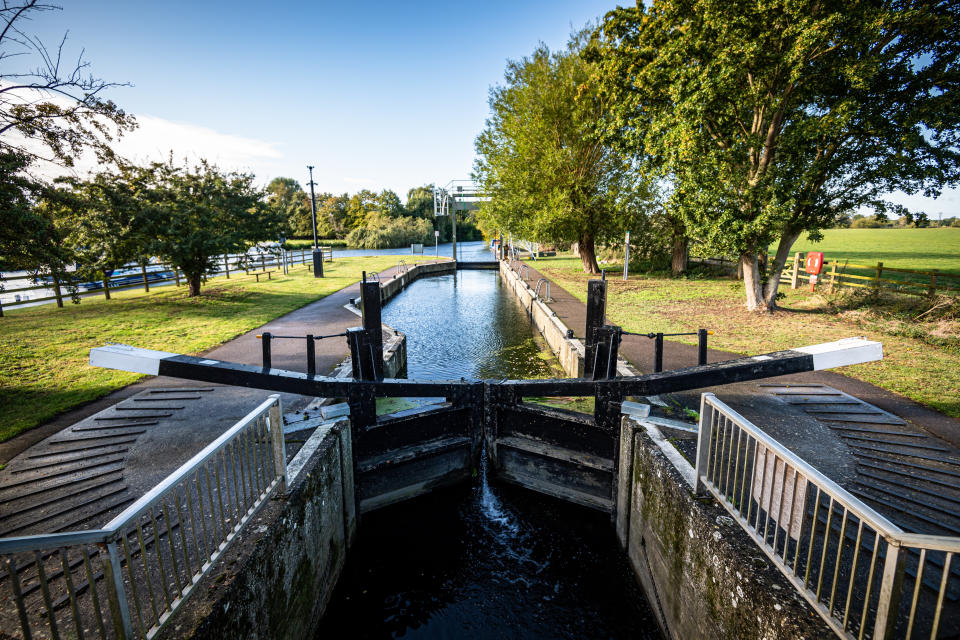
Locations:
(487, 560)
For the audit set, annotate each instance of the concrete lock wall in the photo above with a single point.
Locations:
(275, 581)
(569, 351)
(702, 574)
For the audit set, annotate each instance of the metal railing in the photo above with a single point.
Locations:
(126, 579)
(849, 562)
(543, 282)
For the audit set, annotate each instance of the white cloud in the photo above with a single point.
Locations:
(155, 138)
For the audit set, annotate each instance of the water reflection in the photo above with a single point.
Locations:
(488, 560)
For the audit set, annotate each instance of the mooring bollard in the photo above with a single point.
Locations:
(658, 353)
(702, 346)
(265, 348)
(370, 307)
(311, 356)
(596, 310)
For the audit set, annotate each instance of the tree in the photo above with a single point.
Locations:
(420, 202)
(108, 226)
(286, 198)
(388, 203)
(334, 211)
(56, 104)
(199, 213)
(31, 239)
(550, 178)
(771, 117)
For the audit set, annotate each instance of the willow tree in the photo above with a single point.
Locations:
(770, 118)
(550, 177)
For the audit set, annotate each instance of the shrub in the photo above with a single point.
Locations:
(380, 231)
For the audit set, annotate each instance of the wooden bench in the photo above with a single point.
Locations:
(257, 275)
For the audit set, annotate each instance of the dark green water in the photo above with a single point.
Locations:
(487, 560)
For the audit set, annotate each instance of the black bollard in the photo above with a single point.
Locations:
(370, 305)
(317, 263)
(596, 310)
(265, 347)
(658, 353)
(702, 346)
(311, 356)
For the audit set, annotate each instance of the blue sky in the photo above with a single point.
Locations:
(375, 95)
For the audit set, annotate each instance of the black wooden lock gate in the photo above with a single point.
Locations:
(562, 453)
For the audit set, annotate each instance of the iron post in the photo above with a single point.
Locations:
(596, 310)
(265, 349)
(317, 254)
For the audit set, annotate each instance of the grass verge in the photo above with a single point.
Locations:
(44, 350)
(921, 348)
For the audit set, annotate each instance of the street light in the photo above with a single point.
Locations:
(317, 254)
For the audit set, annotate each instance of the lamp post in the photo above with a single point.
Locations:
(317, 254)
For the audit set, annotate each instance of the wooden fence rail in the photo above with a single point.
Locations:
(843, 273)
(228, 263)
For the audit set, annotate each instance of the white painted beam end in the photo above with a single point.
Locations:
(126, 358)
(843, 353)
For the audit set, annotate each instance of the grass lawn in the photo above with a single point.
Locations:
(44, 350)
(921, 357)
(920, 249)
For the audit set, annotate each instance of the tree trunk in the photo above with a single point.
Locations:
(751, 281)
(776, 269)
(588, 254)
(193, 281)
(678, 265)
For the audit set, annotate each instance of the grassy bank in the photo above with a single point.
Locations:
(921, 352)
(44, 350)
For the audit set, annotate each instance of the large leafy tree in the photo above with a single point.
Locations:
(772, 118)
(49, 109)
(32, 238)
(108, 224)
(550, 178)
(199, 213)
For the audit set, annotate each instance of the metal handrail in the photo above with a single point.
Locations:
(146, 550)
(536, 291)
(781, 501)
(402, 265)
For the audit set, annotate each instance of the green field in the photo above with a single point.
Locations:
(920, 249)
(44, 350)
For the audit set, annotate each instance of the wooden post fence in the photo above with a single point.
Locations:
(879, 273)
(146, 282)
(933, 283)
(833, 275)
(795, 275)
(226, 265)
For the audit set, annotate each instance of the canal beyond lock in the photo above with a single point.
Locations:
(488, 560)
